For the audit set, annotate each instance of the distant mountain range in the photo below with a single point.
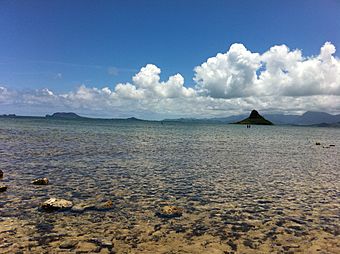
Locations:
(65, 115)
(309, 118)
(71, 115)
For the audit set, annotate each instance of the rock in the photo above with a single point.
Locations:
(232, 245)
(331, 145)
(255, 118)
(1, 174)
(106, 244)
(5, 245)
(157, 227)
(249, 243)
(317, 143)
(105, 206)
(105, 251)
(3, 188)
(86, 247)
(54, 204)
(156, 236)
(40, 181)
(170, 212)
(70, 244)
(79, 208)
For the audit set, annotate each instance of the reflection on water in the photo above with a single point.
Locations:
(259, 190)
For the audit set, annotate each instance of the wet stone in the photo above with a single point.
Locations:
(335, 230)
(5, 245)
(107, 244)
(249, 243)
(40, 181)
(80, 208)
(298, 221)
(279, 223)
(243, 227)
(296, 228)
(157, 236)
(157, 227)
(232, 245)
(199, 230)
(45, 228)
(1, 174)
(87, 247)
(54, 204)
(263, 201)
(70, 244)
(105, 206)
(169, 212)
(3, 188)
(178, 228)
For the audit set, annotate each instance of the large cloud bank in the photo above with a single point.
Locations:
(280, 79)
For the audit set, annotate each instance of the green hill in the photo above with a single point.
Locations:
(256, 119)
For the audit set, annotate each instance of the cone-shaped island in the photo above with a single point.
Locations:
(255, 118)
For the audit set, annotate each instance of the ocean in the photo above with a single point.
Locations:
(267, 189)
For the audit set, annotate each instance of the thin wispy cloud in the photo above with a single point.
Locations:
(112, 70)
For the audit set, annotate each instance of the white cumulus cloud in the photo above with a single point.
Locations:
(278, 71)
(277, 80)
(228, 75)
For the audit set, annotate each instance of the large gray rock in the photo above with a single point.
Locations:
(54, 204)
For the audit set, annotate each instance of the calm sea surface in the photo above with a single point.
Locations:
(268, 189)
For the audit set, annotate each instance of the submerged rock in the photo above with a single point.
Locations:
(170, 212)
(87, 247)
(3, 188)
(79, 208)
(1, 174)
(54, 204)
(105, 206)
(317, 143)
(69, 244)
(40, 181)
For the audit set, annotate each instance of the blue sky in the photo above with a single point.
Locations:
(61, 45)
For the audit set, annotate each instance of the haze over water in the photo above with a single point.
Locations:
(268, 189)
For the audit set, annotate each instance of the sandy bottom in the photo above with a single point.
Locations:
(232, 231)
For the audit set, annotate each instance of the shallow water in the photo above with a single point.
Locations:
(268, 189)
